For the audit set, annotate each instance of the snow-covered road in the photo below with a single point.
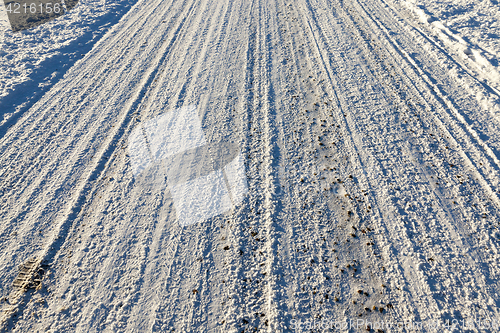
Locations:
(370, 152)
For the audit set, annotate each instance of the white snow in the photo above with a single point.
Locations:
(200, 199)
(32, 61)
(174, 132)
(470, 28)
(236, 176)
(243, 166)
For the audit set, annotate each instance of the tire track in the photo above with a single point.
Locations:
(51, 247)
(461, 230)
(165, 280)
(372, 66)
(456, 116)
(178, 260)
(35, 186)
(347, 214)
(364, 188)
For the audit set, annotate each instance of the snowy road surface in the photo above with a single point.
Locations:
(335, 161)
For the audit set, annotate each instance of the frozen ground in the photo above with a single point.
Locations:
(246, 166)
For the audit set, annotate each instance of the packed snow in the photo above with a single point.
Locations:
(252, 166)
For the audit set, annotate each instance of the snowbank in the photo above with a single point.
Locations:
(470, 28)
(33, 60)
